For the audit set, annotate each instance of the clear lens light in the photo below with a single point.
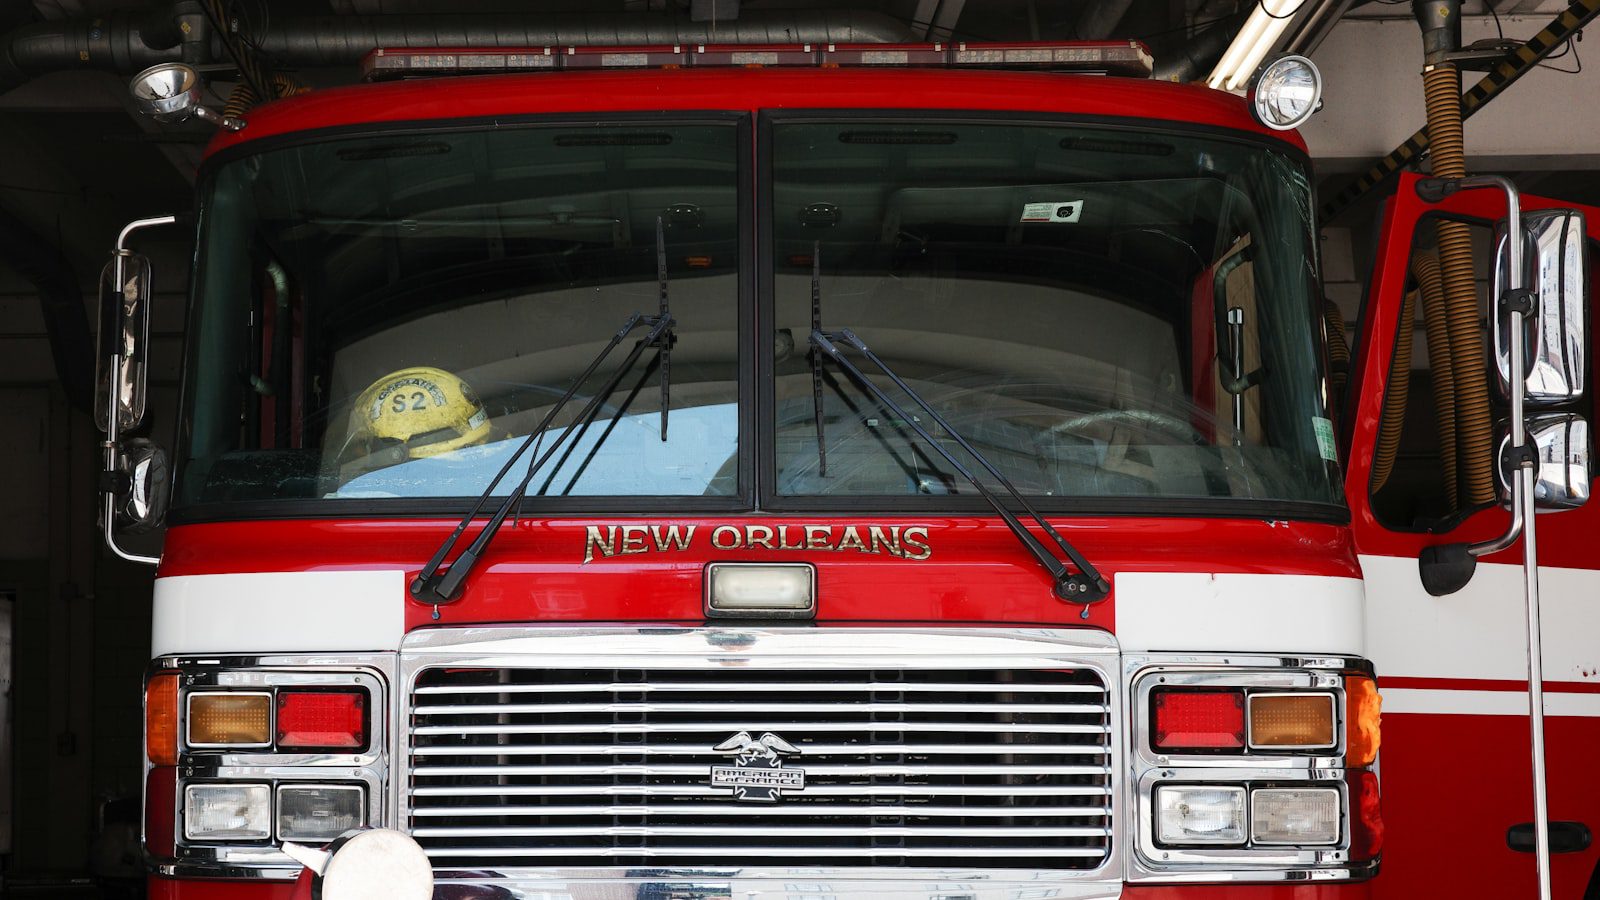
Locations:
(1286, 93)
(1200, 815)
(1294, 816)
(227, 812)
(782, 586)
(318, 812)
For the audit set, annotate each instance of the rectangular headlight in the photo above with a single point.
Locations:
(319, 812)
(773, 590)
(227, 812)
(1195, 814)
(1294, 815)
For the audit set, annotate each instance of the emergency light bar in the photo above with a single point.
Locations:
(1125, 58)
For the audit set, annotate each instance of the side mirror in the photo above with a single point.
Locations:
(144, 506)
(1555, 269)
(1561, 442)
(125, 335)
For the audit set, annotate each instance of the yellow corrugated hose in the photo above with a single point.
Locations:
(1474, 424)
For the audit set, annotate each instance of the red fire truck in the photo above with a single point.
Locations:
(833, 471)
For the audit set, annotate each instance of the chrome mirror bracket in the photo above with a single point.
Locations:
(115, 483)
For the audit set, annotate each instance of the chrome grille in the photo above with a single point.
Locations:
(1005, 767)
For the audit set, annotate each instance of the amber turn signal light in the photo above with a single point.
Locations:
(1363, 708)
(230, 719)
(1302, 721)
(161, 719)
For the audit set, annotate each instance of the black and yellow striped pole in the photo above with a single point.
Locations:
(1516, 63)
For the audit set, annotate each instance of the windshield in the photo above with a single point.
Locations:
(1101, 312)
(386, 317)
(1106, 314)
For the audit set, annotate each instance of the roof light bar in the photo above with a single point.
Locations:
(1125, 58)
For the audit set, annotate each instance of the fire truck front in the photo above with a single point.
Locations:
(806, 483)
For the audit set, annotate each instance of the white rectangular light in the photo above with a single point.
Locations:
(319, 812)
(1294, 815)
(782, 590)
(1200, 814)
(227, 812)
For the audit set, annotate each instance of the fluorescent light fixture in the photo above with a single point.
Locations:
(1260, 33)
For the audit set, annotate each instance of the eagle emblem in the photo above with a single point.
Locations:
(758, 772)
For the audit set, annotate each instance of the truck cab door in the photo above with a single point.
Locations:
(1455, 762)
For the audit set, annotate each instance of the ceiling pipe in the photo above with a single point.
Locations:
(126, 43)
(1190, 60)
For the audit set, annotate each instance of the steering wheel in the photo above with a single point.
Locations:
(1149, 420)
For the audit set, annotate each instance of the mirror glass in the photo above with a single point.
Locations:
(125, 331)
(1555, 266)
(145, 506)
(1562, 442)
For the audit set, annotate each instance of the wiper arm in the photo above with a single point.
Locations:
(1087, 586)
(816, 356)
(430, 586)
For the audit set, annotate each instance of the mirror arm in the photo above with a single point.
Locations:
(112, 445)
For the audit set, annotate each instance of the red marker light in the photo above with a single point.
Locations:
(1366, 816)
(322, 720)
(1197, 720)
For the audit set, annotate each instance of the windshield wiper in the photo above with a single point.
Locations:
(432, 586)
(1086, 586)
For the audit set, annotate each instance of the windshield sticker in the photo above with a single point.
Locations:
(905, 542)
(1063, 211)
(1326, 446)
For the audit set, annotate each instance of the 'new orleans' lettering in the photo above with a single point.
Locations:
(902, 541)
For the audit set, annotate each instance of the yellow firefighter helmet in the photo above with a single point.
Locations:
(426, 411)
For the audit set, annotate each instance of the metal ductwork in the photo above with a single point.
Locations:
(128, 43)
(1192, 59)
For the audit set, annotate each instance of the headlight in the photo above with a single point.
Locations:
(1294, 816)
(319, 812)
(227, 812)
(1286, 92)
(1199, 815)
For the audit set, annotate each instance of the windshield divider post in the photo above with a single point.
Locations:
(427, 578)
(1087, 587)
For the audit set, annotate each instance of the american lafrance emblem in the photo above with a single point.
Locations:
(758, 773)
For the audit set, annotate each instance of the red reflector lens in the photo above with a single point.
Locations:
(322, 720)
(161, 811)
(1197, 720)
(1366, 817)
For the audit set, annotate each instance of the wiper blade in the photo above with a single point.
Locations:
(432, 586)
(1086, 586)
(664, 312)
(816, 356)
